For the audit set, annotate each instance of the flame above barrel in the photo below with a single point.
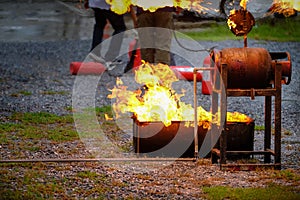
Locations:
(155, 100)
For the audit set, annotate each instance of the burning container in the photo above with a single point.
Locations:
(156, 139)
(177, 140)
(240, 138)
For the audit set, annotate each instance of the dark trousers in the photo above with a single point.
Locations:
(155, 36)
(117, 23)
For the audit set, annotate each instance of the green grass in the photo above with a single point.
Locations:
(26, 129)
(287, 174)
(104, 110)
(41, 118)
(273, 191)
(22, 92)
(213, 33)
(50, 92)
(281, 30)
(12, 132)
(259, 128)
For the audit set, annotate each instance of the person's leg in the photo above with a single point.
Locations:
(100, 22)
(146, 36)
(118, 24)
(163, 37)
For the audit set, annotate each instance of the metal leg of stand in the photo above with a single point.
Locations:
(267, 142)
(278, 72)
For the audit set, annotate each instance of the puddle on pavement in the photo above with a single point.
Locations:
(42, 21)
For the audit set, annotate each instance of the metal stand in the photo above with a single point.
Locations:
(221, 152)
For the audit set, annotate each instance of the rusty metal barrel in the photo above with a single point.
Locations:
(247, 67)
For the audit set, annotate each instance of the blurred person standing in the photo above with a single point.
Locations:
(155, 42)
(103, 15)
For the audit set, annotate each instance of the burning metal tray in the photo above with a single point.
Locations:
(177, 140)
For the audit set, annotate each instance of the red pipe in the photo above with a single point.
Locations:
(185, 73)
(86, 68)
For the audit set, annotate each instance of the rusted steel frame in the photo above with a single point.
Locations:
(290, 72)
(245, 40)
(249, 152)
(97, 160)
(223, 111)
(272, 152)
(215, 153)
(286, 64)
(277, 143)
(247, 92)
(217, 89)
(268, 93)
(196, 154)
(267, 139)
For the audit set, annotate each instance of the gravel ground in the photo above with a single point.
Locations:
(35, 77)
(43, 67)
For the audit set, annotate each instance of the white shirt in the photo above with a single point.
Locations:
(99, 4)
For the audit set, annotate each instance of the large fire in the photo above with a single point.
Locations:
(155, 100)
(123, 6)
(285, 7)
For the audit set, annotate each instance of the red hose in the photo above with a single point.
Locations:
(86, 68)
(185, 73)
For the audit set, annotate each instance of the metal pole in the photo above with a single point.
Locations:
(267, 142)
(97, 160)
(278, 72)
(196, 106)
(223, 114)
(196, 154)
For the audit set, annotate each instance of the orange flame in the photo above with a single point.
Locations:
(290, 3)
(123, 6)
(237, 117)
(285, 7)
(231, 24)
(243, 4)
(155, 100)
(108, 118)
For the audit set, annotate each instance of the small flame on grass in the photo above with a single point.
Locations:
(108, 118)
